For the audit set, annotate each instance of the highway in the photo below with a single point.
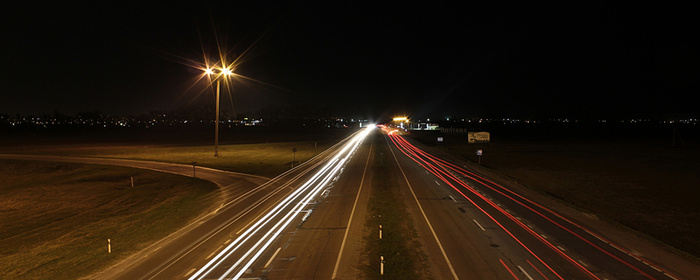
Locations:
(309, 223)
(513, 237)
(256, 216)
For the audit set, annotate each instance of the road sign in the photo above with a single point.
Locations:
(439, 139)
(479, 152)
(479, 137)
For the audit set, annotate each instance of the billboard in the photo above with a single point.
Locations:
(479, 137)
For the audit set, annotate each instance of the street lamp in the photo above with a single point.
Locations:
(225, 72)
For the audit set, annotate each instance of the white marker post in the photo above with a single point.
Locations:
(109, 246)
(132, 181)
(381, 265)
(380, 231)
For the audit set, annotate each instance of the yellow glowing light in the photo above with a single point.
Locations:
(226, 71)
(209, 71)
(400, 119)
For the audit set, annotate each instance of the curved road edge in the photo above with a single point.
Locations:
(223, 179)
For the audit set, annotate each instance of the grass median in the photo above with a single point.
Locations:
(399, 244)
(56, 217)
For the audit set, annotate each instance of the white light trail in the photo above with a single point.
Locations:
(283, 214)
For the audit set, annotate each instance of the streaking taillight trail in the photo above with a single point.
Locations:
(448, 173)
(241, 253)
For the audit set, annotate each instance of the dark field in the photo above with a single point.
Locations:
(253, 150)
(166, 135)
(56, 217)
(635, 176)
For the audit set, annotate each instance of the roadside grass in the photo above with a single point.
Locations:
(56, 217)
(264, 159)
(642, 185)
(399, 244)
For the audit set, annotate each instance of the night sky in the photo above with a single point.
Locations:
(358, 59)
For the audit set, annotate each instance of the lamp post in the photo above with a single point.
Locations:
(225, 72)
(216, 128)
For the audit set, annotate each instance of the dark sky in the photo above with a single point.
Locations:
(360, 59)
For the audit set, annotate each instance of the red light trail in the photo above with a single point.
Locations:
(448, 172)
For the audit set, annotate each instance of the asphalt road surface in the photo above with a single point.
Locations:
(253, 232)
(486, 231)
(308, 224)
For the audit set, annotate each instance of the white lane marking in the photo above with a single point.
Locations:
(212, 253)
(190, 272)
(227, 241)
(273, 257)
(305, 192)
(436, 182)
(432, 230)
(561, 248)
(478, 224)
(525, 272)
(453, 199)
(352, 213)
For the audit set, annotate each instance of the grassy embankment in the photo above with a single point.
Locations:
(399, 244)
(637, 181)
(254, 150)
(266, 159)
(56, 217)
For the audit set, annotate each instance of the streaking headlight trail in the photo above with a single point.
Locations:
(238, 256)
